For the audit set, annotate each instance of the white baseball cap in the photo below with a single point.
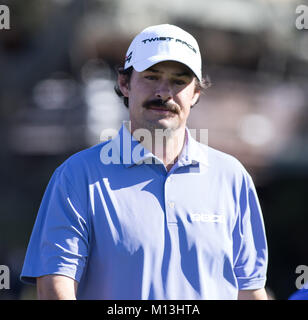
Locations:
(161, 43)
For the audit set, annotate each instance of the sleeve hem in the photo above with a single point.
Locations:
(251, 284)
(30, 278)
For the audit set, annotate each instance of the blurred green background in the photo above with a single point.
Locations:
(57, 72)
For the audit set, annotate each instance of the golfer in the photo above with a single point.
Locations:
(151, 213)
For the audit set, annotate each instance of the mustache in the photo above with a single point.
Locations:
(170, 106)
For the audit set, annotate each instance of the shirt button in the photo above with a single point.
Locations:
(169, 179)
(171, 204)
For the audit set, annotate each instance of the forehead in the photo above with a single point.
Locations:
(171, 67)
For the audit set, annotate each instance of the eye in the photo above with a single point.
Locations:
(179, 82)
(151, 77)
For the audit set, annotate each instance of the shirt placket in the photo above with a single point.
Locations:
(170, 201)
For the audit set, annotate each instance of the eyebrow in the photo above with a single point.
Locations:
(178, 74)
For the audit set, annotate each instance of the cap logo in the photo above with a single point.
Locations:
(149, 40)
(128, 57)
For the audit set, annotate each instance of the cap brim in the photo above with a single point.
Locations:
(149, 62)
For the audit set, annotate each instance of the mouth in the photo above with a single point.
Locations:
(161, 107)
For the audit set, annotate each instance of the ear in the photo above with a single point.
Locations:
(195, 97)
(123, 84)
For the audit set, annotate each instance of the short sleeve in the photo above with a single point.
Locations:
(249, 240)
(60, 236)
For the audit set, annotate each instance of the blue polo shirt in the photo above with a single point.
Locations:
(301, 294)
(132, 230)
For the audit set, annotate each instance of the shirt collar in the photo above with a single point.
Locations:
(132, 152)
(193, 152)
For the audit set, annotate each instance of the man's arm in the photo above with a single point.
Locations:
(56, 287)
(259, 294)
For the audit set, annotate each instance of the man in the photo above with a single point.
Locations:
(139, 217)
(300, 294)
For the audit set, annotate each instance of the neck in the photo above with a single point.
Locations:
(165, 144)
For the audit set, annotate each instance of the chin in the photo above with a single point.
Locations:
(163, 124)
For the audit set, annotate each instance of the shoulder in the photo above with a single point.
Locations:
(86, 156)
(224, 162)
(228, 169)
(81, 164)
(301, 294)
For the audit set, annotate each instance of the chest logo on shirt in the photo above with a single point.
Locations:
(207, 217)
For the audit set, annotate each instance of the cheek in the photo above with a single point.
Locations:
(186, 98)
(139, 92)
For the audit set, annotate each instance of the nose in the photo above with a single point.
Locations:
(163, 91)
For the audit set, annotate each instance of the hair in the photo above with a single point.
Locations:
(200, 85)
